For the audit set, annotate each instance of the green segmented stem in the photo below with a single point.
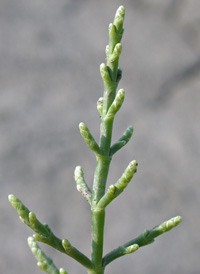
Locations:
(44, 262)
(43, 232)
(88, 138)
(145, 238)
(117, 103)
(76, 254)
(119, 186)
(122, 141)
(98, 198)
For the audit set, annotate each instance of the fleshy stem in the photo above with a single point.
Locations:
(44, 262)
(107, 106)
(145, 238)
(111, 75)
(45, 235)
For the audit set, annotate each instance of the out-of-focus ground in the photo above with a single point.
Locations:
(50, 52)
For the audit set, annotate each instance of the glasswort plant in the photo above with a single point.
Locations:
(98, 198)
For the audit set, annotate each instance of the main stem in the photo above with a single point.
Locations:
(110, 78)
(98, 214)
(100, 178)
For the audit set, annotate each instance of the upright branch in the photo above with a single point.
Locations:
(98, 198)
(107, 106)
(111, 75)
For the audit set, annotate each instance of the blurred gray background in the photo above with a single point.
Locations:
(50, 52)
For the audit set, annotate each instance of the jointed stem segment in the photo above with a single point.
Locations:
(43, 232)
(145, 238)
(119, 186)
(98, 218)
(45, 235)
(76, 254)
(98, 198)
(107, 107)
(44, 262)
(122, 141)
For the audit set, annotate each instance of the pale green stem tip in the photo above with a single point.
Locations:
(44, 262)
(127, 175)
(116, 52)
(167, 225)
(100, 105)
(117, 103)
(88, 138)
(105, 75)
(120, 13)
(114, 55)
(122, 141)
(81, 185)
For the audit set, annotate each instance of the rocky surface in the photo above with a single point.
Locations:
(50, 53)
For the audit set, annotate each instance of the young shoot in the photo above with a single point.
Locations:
(98, 198)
